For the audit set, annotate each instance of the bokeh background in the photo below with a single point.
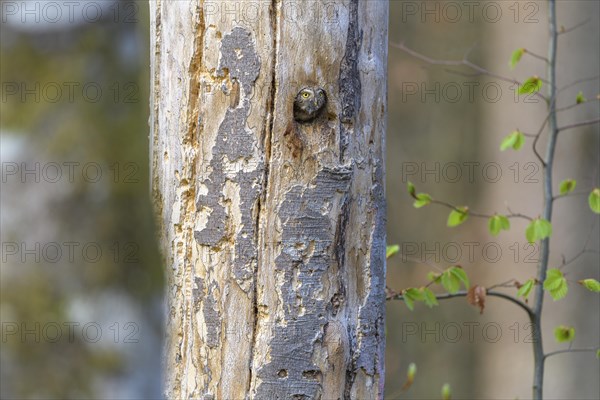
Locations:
(81, 278)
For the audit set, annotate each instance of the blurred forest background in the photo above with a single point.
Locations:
(81, 278)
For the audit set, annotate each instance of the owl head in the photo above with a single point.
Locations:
(309, 103)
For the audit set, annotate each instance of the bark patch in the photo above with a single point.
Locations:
(349, 81)
(308, 238)
(236, 161)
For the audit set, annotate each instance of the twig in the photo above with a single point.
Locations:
(575, 105)
(591, 78)
(477, 214)
(474, 74)
(417, 261)
(537, 56)
(575, 257)
(529, 134)
(517, 302)
(505, 284)
(583, 250)
(578, 124)
(464, 293)
(455, 63)
(571, 29)
(537, 137)
(517, 215)
(577, 193)
(582, 350)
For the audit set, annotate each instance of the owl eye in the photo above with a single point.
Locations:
(306, 95)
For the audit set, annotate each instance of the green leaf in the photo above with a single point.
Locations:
(411, 188)
(525, 289)
(514, 140)
(497, 223)
(598, 354)
(538, 229)
(567, 186)
(461, 275)
(590, 284)
(422, 199)
(410, 376)
(556, 284)
(516, 57)
(594, 200)
(391, 250)
(580, 99)
(564, 333)
(411, 295)
(429, 297)
(450, 283)
(412, 371)
(415, 294)
(553, 279)
(458, 216)
(446, 392)
(531, 85)
(434, 276)
(409, 302)
(453, 277)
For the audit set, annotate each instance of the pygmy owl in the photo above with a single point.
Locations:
(309, 103)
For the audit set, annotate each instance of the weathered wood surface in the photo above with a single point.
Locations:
(273, 232)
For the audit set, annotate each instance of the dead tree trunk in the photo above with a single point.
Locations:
(273, 230)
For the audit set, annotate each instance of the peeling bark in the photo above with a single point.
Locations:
(273, 231)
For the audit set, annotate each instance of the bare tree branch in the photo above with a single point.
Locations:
(564, 30)
(586, 350)
(578, 81)
(464, 62)
(534, 55)
(417, 261)
(583, 250)
(578, 124)
(575, 105)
